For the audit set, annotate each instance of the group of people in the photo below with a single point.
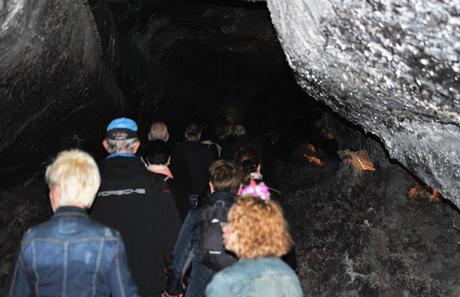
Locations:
(157, 220)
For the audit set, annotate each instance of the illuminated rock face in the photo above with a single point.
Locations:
(50, 70)
(49, 55)
(390, 66)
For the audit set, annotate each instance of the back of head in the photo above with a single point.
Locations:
(246, 159)
(193, 132)
(157, 152)
(158, 131)
(121, 136)
(77, 176)
(272, 238)
(239, 130)
(225, 176)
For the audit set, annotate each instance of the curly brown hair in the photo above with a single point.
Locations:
(259, 227)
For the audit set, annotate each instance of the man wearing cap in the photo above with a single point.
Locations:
(134, 201)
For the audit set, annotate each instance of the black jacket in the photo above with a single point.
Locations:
(199, 158)
(138, 204)
(179, 168)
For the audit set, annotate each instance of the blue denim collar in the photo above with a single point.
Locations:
(121, 155)
(69, 211)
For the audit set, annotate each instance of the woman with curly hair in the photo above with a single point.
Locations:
(258, 234)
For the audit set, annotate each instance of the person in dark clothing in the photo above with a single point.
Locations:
(199, 158)
(157, 157)
(138, 204)
(71, 254)
(210, 139)
(251, 167)
(252, 170)
(225, 182)
(178, 164)
(234, 142)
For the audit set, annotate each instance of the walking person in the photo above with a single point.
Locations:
(178, 164)
(135, 201)
(200, 239)
(257, 233)
(71, 255)
(199, 158)
(157, 157)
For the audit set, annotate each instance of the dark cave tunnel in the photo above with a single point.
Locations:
(366, 222)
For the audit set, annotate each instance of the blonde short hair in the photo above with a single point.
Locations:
(259, 227)
(77, 176)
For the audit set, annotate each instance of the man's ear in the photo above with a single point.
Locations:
(211, 188)
(149, 137)
(105, 144)
(136, 146)
(55, 197)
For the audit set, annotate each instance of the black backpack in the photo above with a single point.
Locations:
(212, 250)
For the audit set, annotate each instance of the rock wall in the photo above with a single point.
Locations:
(51, 68)
(388, 66)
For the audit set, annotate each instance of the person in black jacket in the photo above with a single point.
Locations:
(199, 158)
(137, 203)
(157, 157)
(225, 183)
(178, 164)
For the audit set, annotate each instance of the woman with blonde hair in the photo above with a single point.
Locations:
(258, 234)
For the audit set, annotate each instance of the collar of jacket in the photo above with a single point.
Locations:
(70, 211)
(128, 155)
(227, 197)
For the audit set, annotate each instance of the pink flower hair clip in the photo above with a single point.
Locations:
(258, 190)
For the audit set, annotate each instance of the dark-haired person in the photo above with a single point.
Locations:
(178, 164)
(199, 157)
(252, 170)
(225, 182)
(258, 234)
(72, 255)
(133, 201)
(157, 156)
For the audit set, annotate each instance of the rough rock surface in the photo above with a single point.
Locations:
(359, 234)
(51, 69)
(388, 66)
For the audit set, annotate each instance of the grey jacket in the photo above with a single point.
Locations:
(264, 277)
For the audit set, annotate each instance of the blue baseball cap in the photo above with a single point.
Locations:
(121, 129)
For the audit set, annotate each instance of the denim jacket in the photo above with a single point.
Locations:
(264, 277)
(72, 255)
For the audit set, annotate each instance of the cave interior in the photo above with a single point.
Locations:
(363, 224)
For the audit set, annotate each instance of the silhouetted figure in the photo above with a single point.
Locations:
(178, 164)
(198, 158)
(157, 156)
